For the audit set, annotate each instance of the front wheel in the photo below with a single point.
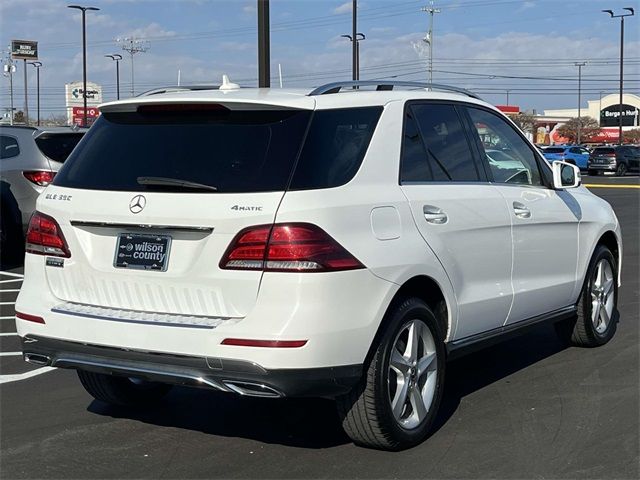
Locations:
(597, 316)
(122, 391)
(395, 405)
(621, 171)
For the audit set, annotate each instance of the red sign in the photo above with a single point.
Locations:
(514, 109)
(78, 115)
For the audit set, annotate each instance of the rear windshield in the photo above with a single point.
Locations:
(233, 151)
(603, 151)
(554, 150)
(58, 146)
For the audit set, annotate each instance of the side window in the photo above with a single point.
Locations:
(8, 147)
(575, 150)
(509, 157)
(448, 151)
(413, 163)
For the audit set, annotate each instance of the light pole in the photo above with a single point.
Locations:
(359, 38)
(579, 65)
(508, 97)
(117, 57)
(37, 65)
(621, 17)
(9, 69)
(84, 57)
(600, 111)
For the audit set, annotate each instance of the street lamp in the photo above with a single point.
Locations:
(37, 65)
(356, 67)
(579, 65)
(84, 56)
(116, 57)
(621, 17)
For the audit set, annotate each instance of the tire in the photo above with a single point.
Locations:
(621, 171)
(122, 391)
(584, 330)
(366, 412)
(593, 173)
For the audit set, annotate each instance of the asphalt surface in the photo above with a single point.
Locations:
(527, 408)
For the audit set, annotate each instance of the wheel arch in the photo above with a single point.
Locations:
(430, 291)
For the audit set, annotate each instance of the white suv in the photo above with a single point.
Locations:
(341, 243)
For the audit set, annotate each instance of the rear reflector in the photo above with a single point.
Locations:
(41, 178)
(291, 247)
(243, 342)
(44, 237)
(29, 318)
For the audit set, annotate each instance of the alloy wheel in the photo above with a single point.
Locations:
(602, 296)
(413, 371)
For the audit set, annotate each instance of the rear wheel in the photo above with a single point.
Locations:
(621, 171)
(596, 320)
(396, 403)
(122, 391)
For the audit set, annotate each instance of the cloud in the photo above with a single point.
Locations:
(344, 8)
(526, 5)
(249, 9)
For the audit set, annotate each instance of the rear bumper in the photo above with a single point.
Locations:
(611, 167)
(233, 376)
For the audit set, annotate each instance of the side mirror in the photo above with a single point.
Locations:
(565, 175)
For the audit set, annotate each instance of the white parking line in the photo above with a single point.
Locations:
(11, 281)
(8, 334)
(8, 317)
(7, 303)
(24, 376)
(10, 354)
(10, 274)
(13, 290)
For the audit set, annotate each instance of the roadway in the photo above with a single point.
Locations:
(527, 408)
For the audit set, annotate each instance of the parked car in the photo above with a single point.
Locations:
(616, 158)
(29, 159)
(574, 154)
(352, 247)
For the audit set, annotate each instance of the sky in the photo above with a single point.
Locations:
(525, 47)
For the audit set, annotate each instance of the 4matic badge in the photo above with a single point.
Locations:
(245, 208)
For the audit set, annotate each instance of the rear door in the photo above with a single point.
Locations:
(462, 218)
(544, 222)
(151, 199)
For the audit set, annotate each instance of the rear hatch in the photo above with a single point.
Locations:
(554, 153)
(602, 155)
(150, 200)
(57, 146)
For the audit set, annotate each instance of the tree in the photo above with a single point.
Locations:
(55, 120)
(18, 117)
(631, 136)
(525, 121)
(569, 129)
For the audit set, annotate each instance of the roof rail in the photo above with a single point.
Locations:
(336, 87)
(180, 88)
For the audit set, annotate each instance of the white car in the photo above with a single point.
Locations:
(337, 243)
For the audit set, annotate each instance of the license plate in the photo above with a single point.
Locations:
(142, 252)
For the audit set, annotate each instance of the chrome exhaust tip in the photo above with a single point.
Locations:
(250, 389)
(37, 359)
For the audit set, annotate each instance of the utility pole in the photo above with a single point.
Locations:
(8, 70)
(37, 65)
(621, 17)
(508, 97)
(579, 65)
(354, 40)
(132, 46)
(264, 48)
(431, 10)
(116, 57)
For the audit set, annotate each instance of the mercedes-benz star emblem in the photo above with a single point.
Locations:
(137, 203)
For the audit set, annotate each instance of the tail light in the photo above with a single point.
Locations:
(41, 178)
(44, 237)
(291, 247)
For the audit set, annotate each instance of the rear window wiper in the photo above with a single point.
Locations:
(174, 182)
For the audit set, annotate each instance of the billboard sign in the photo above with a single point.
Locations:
(77, 114)
(24, 50)
(609, 117)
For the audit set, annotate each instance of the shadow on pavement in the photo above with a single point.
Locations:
(313, 423)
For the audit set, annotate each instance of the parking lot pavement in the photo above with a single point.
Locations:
(527, 408)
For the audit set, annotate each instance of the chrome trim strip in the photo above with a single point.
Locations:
(82, 223)
(63, 362)
(264, 390)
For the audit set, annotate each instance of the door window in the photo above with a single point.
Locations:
(438, 150)
(509, 157)
(8, 147)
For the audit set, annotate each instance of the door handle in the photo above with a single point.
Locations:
(521, 210)
(434, 215)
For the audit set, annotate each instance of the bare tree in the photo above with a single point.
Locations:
(631, 136)
(589, 128)
(525, 121)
